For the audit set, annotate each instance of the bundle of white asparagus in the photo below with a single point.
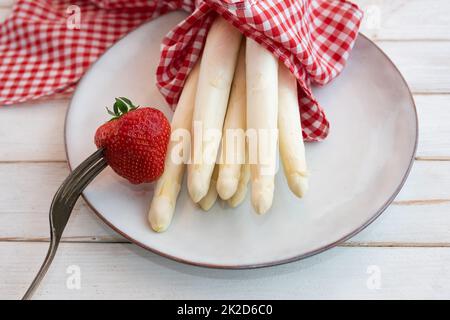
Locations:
(235, 95)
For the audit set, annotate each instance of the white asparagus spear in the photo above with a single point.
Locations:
(292, 148)
(208, 201)
(233, 139)
(241, 191)
(244, 178)
(214, 83)
(169, 184)
(262, 115)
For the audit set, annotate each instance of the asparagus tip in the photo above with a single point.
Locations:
(298, 184)
(227, 186)
(262, 196)
(160, 214)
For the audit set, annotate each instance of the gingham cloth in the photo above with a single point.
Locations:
(40, 55)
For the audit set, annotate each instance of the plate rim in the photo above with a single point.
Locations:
(262, 264)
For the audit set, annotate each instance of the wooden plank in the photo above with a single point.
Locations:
(40, 137)
(384, 19)
(428, 180)
(420, 214)
(406, 19)
(33, 131)
(425, 65)
(434, 126)
(420, 217)
(24, 207)
(420, 224)
(342, 273)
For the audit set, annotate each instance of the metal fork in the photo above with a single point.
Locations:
(62, 205)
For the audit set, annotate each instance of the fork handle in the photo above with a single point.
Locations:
(62, 206)
(43, 270)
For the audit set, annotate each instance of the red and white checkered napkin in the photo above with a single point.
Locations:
(43, 49)
(41, 55)
(312, 38)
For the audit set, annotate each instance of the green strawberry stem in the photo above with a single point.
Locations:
(120, 107)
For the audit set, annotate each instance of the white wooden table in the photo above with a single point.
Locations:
(403, 254)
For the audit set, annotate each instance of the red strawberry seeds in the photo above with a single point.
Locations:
(135, 141)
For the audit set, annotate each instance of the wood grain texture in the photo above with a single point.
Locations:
(123, 271)
(425, 224)
(409, 243)
(24, 210)
(33, 131)
(425, 65)
(24, 207)
(406, 19)
(384, 19)
(434, 126)
(40, 137)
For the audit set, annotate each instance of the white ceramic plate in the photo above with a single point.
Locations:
(355, 173)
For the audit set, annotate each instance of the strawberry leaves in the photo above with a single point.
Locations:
(121, 106)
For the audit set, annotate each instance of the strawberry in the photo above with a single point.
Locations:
(135, 141)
